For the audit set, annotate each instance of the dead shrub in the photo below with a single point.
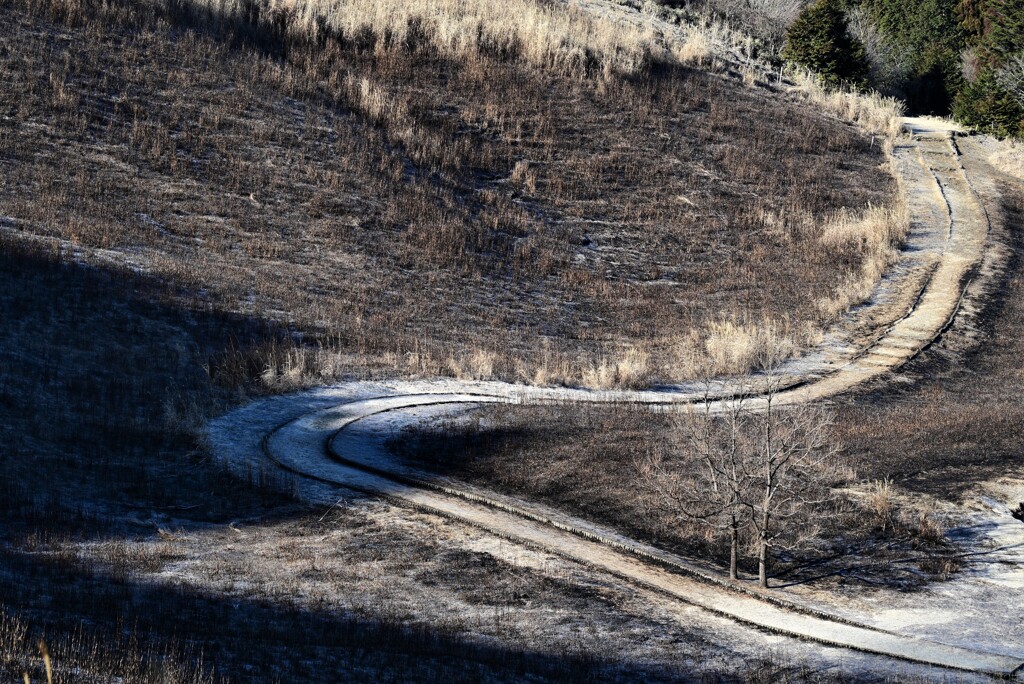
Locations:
(925, 527)
(630, 370)
(881, 502)
(477, 365)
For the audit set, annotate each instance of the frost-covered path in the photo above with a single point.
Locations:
(335, 437)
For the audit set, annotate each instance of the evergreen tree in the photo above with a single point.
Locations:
(987, 103)
(820, 40)
(939, 35)
(971, 16)
(1003, 30)
(987, 106)
(933, 35)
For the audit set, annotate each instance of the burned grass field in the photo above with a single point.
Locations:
(588, 460)
(411, 212)
(954, 423)
(134, 554)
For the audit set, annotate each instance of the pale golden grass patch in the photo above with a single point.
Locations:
(882, 502)
(876, 234)
(630, 370)
(547, 371)
(1009, 158)
(562, 36)
(735, 346)
(375, 102)
(697, 49)
(524, 176)
(879, 115)
(476, 365)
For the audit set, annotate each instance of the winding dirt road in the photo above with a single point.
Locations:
(336, 437)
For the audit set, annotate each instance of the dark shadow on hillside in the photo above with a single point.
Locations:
(105, 377)
(265, 640)
(92, 362)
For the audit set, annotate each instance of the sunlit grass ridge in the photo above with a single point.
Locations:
(543, 34)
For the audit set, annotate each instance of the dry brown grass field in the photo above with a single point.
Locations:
(407, 211)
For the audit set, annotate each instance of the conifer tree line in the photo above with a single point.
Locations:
(960, 57)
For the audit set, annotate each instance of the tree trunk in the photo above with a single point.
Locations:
(734, 542)
(762, 556)
(769, 492)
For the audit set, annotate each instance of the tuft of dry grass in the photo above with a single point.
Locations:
(927, 527)
(524, 176)
(477, 365)
(628, 370)
(881, 503)
(1009, 157)
(875, 234)
(873, 231)
(875, 113)
(697, 49)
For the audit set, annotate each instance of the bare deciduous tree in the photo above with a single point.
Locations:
(1011, 77)
(747, 464)
(890, 64)
(768, 19)
(788, 467)
(708, 481)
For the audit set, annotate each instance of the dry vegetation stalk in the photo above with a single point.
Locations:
(87, 656)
